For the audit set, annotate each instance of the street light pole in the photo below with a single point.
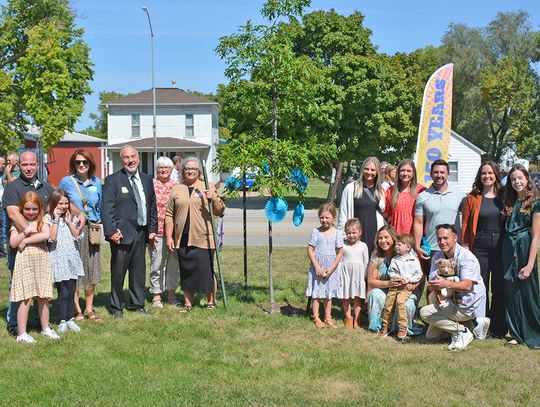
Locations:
(145, 9)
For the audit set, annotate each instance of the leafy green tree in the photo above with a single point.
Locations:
(45, 70)
(496, 90)
(99, 129)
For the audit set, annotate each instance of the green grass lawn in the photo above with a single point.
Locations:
(243, 356)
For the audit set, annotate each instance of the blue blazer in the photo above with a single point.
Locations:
(119, 207)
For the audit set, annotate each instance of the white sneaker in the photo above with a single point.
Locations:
(452, 345)
(464, 339)
(25, 338)
(62, 327)
(481, 329)
(72, 326)
(50, 333)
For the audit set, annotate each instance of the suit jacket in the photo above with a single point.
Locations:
(119, 207)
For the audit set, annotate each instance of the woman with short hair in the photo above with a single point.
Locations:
(164, 271)
(189, 232)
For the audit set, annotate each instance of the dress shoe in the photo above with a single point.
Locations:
(118, 314)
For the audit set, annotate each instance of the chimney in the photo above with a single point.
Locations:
(173, 83)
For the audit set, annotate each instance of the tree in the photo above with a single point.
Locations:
(496, 90)
(99, 129)
(379, 96)
(45, 70)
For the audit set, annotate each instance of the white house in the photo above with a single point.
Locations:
(464, 158)
(186, 125)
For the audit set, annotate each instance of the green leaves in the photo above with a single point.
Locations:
(48, 63)
(496, 90)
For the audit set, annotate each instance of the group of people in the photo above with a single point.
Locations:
(55, 235)
(393, 237)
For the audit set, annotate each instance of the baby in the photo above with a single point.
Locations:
(404, 269)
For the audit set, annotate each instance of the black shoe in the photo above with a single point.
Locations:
(117, 314)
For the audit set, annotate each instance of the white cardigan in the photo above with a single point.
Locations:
(346, 208)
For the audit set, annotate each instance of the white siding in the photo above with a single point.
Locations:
(468, 162)
(170, 122)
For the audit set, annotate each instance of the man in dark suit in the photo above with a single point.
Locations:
(129, 216)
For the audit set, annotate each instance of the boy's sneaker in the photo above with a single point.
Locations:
(402, 332)
(464, 339)
(62, 326)
(384, 331)
(453, 342)
(25, 338)
(50, 333)
(482, 327)
(72, 326)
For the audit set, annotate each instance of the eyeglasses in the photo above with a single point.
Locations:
(446, 226)
(79, 162)
(190, 169)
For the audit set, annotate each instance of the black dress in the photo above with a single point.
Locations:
(196, 264)
(365, 210)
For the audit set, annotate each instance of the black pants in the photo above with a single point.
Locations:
(130, 257)
(488, 250)
(66, 306)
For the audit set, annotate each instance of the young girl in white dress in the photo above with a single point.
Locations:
(353, 273)
(325, 252)
(66, 260)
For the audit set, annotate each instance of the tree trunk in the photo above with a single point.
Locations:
(337, 182)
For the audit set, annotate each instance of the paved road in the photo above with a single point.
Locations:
(284, 233)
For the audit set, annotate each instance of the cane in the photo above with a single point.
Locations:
(214, 229)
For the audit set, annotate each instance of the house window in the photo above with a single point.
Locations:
(453, 171)
(189, 125)
(135, 125)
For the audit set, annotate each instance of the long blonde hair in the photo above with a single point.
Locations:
(359, 183)
(397, 182)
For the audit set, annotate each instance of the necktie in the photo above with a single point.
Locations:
(141, 218)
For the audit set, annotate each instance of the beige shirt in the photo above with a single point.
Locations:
(200, 228)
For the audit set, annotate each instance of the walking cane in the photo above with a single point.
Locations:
(214, 229)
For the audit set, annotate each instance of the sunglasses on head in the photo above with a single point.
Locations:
(446, 226)
(83, 162)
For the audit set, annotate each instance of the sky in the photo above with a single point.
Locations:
(186, 33)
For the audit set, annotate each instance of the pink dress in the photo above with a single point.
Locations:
(402, 216)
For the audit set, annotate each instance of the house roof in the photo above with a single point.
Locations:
(164, 96)
(147, 144)
(463, 140)
(34, 133)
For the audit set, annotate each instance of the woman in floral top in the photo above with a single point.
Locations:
(164, 270)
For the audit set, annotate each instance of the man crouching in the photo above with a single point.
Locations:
(447, 317)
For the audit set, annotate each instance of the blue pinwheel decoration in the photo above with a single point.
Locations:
(276, 209)
(265, 168)
(297, 176)
(232, 184)
(298, 214)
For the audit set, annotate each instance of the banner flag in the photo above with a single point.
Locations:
(435, 122)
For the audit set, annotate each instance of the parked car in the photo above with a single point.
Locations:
(249, 182)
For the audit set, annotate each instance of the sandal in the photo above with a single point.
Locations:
(157, 303)
(185, 309)
(91, 315)
(79, 317)
(210, 305)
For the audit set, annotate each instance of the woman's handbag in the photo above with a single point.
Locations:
(94, 229)
(94, 233)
